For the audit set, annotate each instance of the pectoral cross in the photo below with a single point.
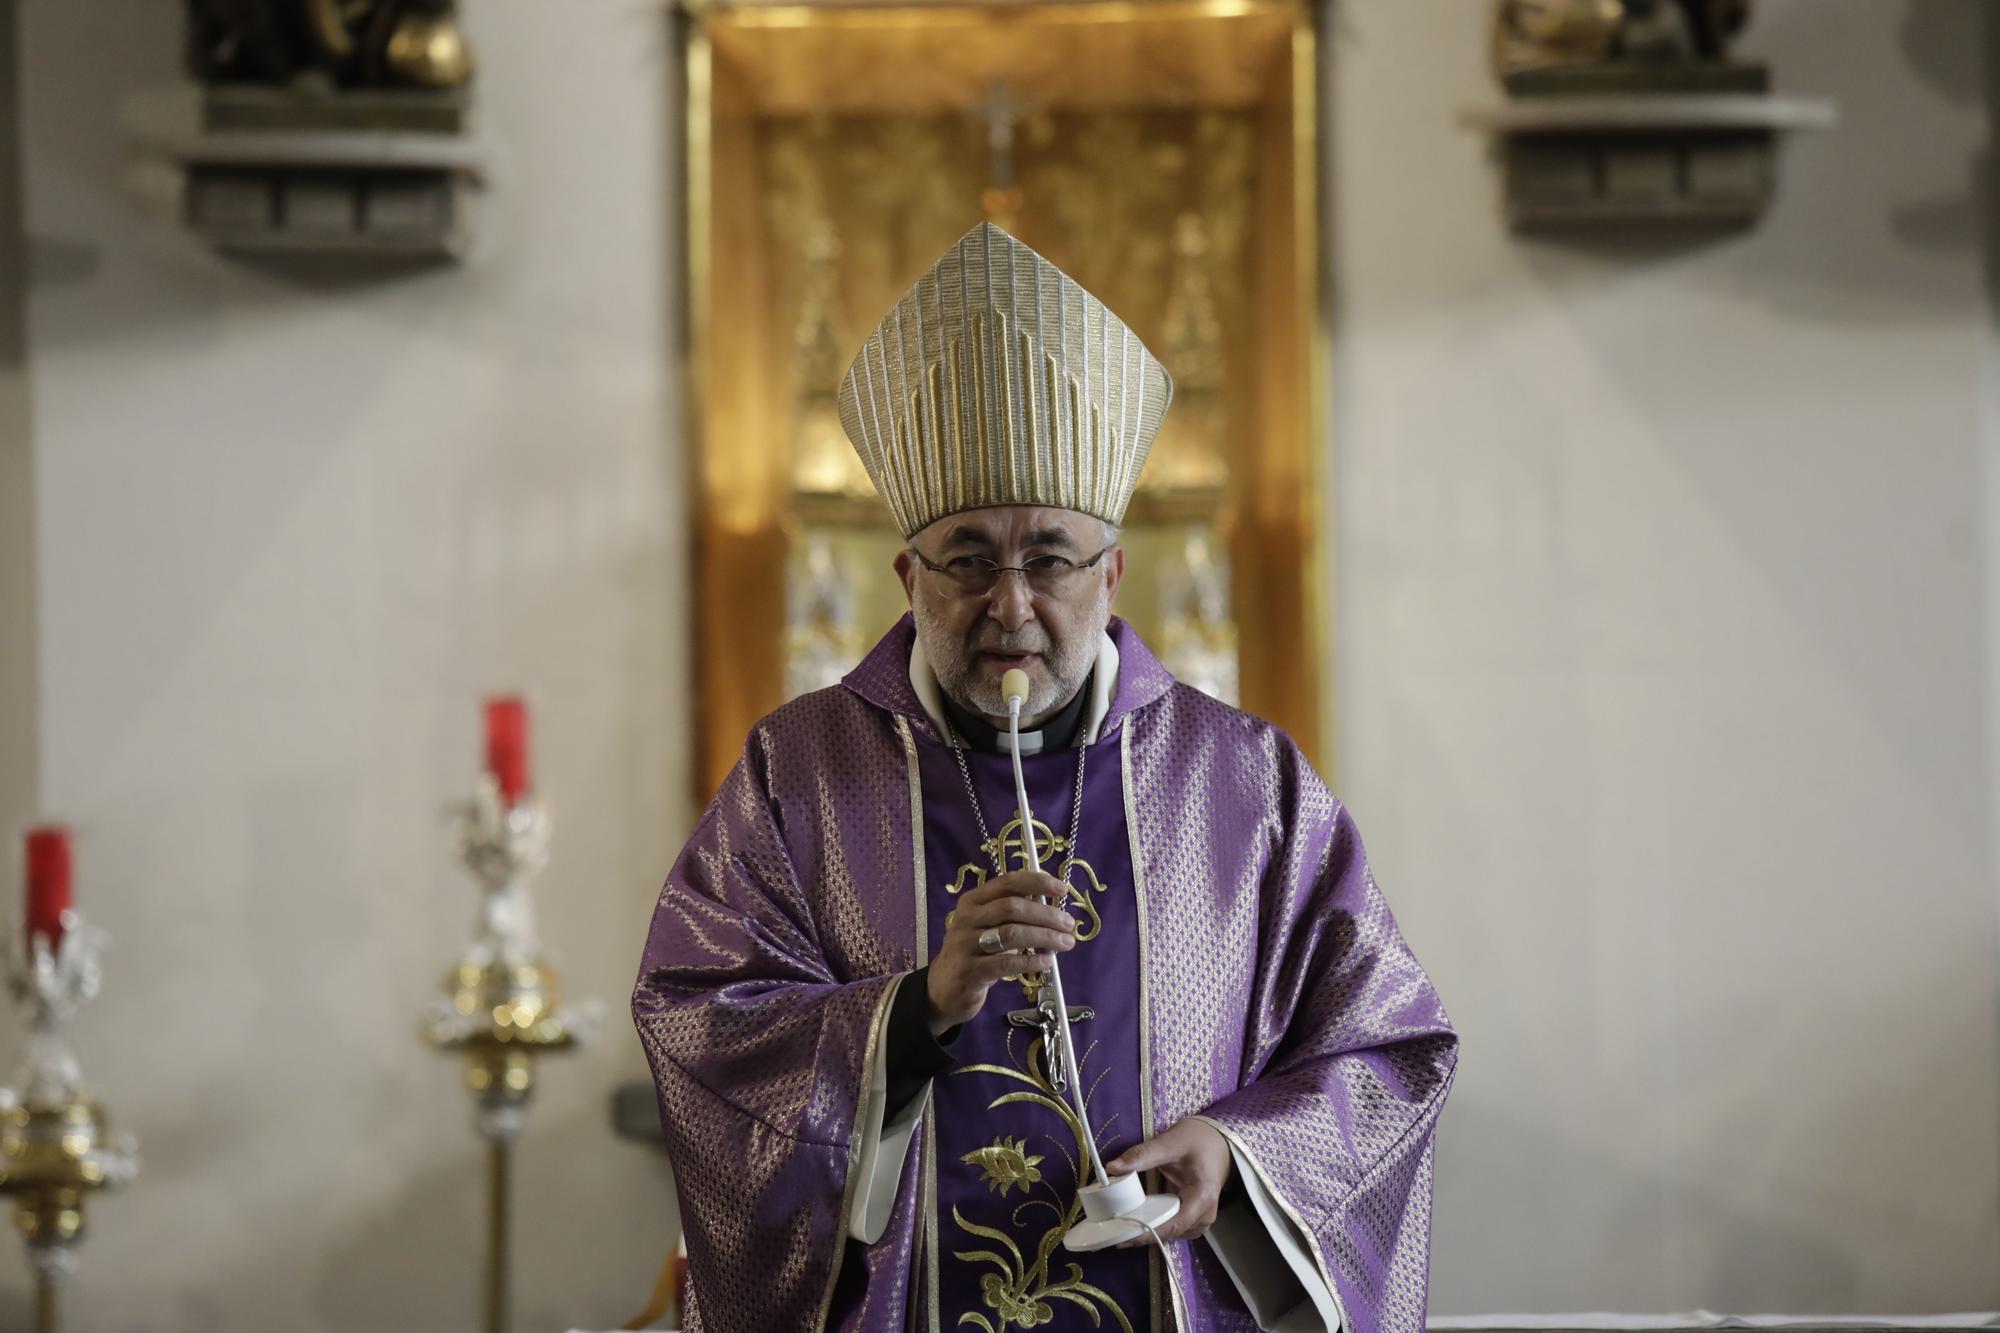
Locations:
(1048, 1020)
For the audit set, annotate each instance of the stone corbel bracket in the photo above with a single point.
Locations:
(1695, 160)
(392, 194)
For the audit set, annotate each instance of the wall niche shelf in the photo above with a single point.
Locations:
(1601, 161)
(360, 191)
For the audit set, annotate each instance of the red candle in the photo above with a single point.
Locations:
(48, 883)
(507, 745)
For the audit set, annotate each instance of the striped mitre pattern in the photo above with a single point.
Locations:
(998, 380)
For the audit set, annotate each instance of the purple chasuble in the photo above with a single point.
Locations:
(1277, 999)
(1009, 1156)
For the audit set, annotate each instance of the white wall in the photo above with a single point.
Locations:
(17, 505)
(289, 534)
(1663, 677)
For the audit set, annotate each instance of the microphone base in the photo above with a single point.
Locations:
(1156, 1210)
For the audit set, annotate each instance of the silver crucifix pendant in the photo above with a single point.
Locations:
(1044, 1018)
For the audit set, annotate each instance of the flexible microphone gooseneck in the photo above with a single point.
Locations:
(1115, 1210)
(1015, 686)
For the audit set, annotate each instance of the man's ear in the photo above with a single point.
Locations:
(1114, 561)
(906, 569)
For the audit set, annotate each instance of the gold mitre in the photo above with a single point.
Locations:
(998, 381)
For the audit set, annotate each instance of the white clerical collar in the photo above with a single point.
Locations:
(1103, 687)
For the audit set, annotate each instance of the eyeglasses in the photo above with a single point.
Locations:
(1046, 575)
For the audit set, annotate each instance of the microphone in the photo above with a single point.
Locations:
(1014, 688)
(1115, 1210)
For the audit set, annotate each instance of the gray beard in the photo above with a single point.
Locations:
(1068, 665)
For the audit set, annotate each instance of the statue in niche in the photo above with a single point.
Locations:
(824, 466)
(1680, 29)
(822, 632)
(1198, 635)
(1608, 46)
(328, 45)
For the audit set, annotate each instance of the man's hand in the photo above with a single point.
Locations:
(1194, 1158)
(1031, 933)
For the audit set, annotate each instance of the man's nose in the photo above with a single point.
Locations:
(1010, 602)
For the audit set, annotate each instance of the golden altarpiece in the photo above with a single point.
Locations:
(1161, 152)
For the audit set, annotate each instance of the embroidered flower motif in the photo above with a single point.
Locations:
(1007, 1164)
(1013, 1307)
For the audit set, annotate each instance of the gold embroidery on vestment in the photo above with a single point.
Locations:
(1019, 1292)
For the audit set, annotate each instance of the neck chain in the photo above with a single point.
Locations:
(995, 850)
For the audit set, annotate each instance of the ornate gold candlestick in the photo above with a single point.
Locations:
(55, 1142)
(502, 1006)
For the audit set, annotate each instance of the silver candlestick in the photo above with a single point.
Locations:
(502, 1005)
(56, 1144)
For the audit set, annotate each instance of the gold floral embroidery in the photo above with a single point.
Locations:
(1007, 1163)
(1019, 1293)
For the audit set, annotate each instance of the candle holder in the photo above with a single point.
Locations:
(503, 1007)
(56, 1145)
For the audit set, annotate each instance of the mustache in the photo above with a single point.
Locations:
(1013, 643)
